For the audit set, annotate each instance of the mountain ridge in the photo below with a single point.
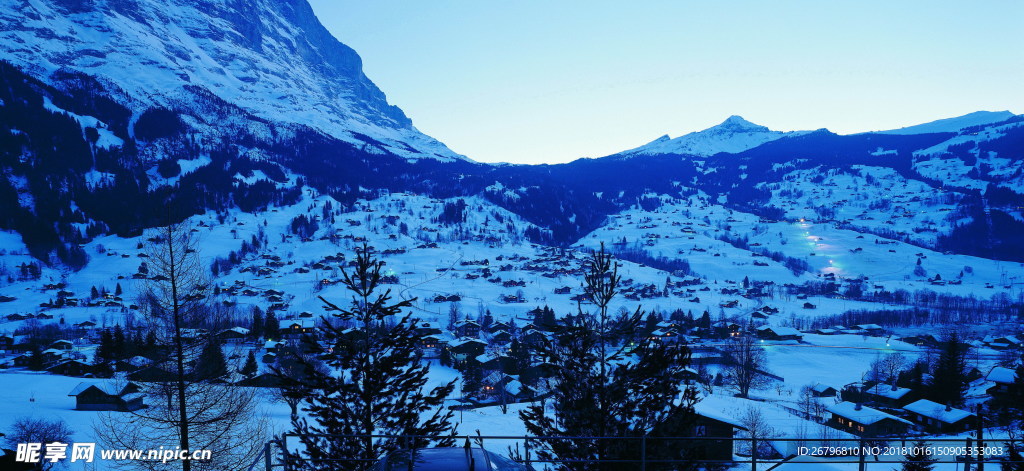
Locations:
(273, 59)
(733, 135)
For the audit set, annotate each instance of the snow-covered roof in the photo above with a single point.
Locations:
(304, 323)
(864, 415)
(138, 360)
(514, 387)
(887, 391)
(240, 330)
(1001, 374)
(133, 396)
(869, 326)
(484, 358)
(937, 411)
(463, 341)
(1010, 339)
(273, 343)
(712, 412)
(780, 331)
(111, 388)
(818, 387)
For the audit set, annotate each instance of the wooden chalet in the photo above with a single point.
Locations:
(937, 418)
(97, 396)
(864, 421)
(767, 332)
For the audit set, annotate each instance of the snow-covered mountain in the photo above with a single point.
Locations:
(977, 118)
(271, 58)
(735, 134)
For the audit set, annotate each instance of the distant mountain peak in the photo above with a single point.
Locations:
(736, 123)
(733, 135)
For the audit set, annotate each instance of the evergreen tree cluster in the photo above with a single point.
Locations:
(374, 382)
(115, 344)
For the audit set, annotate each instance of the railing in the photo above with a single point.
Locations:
(648, 453)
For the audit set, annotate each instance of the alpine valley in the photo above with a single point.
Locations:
(251, 122)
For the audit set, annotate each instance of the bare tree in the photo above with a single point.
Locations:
(293, 370)
(746, 361)
(758, 430)
(39, 430)
(891, 366)
(187, 408)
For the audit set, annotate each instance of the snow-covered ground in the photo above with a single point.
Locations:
(430, 258)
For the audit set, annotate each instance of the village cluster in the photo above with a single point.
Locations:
(484, 298)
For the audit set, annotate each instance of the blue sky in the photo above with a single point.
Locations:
(552, 81)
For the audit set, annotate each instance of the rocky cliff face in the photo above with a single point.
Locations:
(271, 58)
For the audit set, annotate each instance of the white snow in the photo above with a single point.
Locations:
(735, 134)
(954, 124)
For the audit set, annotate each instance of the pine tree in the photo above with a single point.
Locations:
(520, 357)
(271, 325)
(257, 322)
(597, 393)
(120, 345)
(250, 367)
(949, 380)
(106, 347)
(150, 347)
(211, 363)
(705, 320)
(381, 390)
(918, 459)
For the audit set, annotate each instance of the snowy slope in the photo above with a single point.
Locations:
(271, 58)
(955, 124)
(735, 134)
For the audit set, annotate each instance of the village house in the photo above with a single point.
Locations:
(132, 364)
(493, 362)
(6, 342)
(864, 421)
(463, 349)
(272, 346)
(726, 329)
(887, 395)
(937, 418)
(1005, 342)
(71, 368)
(233, 335)
(100, 396)
(712, 431)
(62, 345)
(1003, 378)
(296, 328)
(424, 329)
(431, 344)
(868, 329)
(767, 332)
(499, 326)
(533, 337)
(22, 361)
(501, 337)
(821, 390)
(467, 328)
